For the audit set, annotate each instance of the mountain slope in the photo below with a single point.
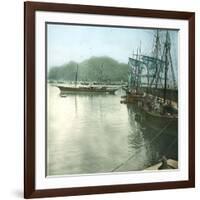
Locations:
(93, 69)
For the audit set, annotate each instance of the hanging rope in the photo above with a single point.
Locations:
(171, 145)
(143, 145)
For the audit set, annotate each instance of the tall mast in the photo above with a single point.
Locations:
(166, 55)
(157, 56)
(76, 76)
(101, 73)
(137, 72)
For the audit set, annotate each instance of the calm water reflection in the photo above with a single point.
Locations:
(96, 134)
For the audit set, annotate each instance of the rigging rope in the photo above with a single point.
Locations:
(157, 135)
(171, 145)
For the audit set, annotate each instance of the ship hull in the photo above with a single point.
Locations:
(132, 98)
(67, 90)
(154, 121)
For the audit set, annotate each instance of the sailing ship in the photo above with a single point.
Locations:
(134, 90)
(162, 106)
(85, 89)
(149, 81)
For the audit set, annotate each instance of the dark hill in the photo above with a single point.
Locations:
(100, 69)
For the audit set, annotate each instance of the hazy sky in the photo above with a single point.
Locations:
(77, 43)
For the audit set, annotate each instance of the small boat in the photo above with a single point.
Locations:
(165, 164)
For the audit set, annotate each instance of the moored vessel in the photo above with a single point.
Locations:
(85, 89)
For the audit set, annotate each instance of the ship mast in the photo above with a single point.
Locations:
(167, 64)
(76, 76)
(135, 68)
(156, 55)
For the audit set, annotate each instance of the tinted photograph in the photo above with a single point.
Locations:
(112, 99)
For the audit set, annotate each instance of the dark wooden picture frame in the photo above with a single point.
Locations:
(30, 8)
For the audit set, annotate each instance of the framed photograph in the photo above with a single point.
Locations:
(109, 100)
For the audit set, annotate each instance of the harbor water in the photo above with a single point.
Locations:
(93, 133)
